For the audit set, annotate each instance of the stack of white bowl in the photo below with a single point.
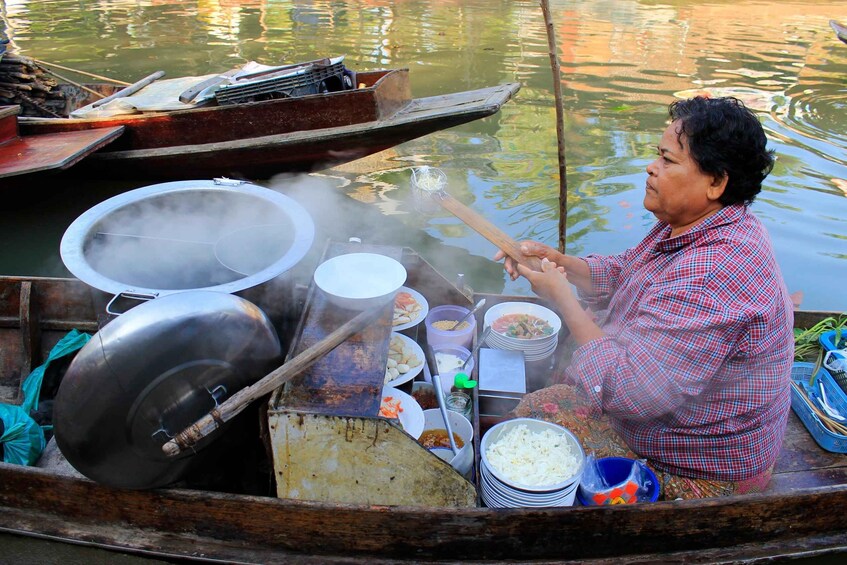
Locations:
(499, 491)
(534, 349)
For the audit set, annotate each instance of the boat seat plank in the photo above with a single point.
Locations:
(34, 153)
(802, 463)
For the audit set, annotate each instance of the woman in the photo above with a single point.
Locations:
(691, 368)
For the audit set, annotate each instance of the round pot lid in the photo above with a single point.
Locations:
(152, 372)
(216, 235)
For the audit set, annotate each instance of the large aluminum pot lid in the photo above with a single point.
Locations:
(218, 235)
(152, 372)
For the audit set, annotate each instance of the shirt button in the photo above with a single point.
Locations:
(597, 389)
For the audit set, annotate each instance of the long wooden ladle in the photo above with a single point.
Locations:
(235, 404)
(486, 229)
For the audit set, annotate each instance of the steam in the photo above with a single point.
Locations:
(190, 239)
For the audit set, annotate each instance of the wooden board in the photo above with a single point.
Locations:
(21, 155)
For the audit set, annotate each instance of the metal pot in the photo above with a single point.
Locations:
(218, 235)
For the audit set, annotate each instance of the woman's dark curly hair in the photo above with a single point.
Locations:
(725, 138)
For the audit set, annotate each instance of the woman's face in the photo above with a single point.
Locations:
(677, 191)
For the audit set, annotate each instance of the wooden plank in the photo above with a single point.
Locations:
(36, 153)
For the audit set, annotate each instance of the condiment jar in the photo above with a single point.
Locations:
(458, 399)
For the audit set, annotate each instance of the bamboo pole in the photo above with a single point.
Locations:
(92, 75)
(78, 85)
(560, 125)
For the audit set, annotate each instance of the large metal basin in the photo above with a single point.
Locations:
(218, 235)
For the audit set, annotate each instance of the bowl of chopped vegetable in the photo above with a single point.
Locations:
(530, 462)
(397, 405)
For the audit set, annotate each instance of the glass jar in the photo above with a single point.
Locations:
(459, 402)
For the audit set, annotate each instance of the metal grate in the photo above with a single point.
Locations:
(311, 78)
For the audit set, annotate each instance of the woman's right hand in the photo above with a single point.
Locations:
(532, 249)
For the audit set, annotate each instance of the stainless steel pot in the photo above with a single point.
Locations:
(218, 235)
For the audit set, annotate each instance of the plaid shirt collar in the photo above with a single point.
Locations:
(726, 215)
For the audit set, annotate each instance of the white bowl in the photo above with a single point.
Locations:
(505, 308)
(358, 281)
(416, 351)
(411, 417)
(463, 460)
(497, 431)
(418, 317)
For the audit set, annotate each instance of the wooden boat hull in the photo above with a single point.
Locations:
(260, 139)
(800, 515)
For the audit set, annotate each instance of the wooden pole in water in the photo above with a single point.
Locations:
(560, 123)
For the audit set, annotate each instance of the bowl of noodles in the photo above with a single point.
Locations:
(523, 326)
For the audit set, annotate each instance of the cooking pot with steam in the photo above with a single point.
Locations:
(218, 235)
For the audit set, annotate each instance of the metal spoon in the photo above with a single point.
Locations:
(476, 348)
(479, 305)
(439, 395)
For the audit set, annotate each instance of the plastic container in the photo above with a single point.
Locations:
(462, 461)
(449, 374)
(801, 373)
(436, 337)
(624, 488)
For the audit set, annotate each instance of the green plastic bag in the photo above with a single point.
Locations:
(71, 342)
(23, 439)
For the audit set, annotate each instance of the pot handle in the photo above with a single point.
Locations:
(129, 295)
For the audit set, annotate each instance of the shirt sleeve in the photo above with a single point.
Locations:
(606, 275)
(670, 351)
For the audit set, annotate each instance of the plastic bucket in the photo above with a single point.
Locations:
(616, 471)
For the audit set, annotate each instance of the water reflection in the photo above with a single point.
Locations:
(622, 63)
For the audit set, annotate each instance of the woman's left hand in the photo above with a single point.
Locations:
(551, 283)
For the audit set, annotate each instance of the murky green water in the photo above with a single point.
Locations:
(622, 62)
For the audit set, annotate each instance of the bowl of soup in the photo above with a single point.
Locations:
(434, 437)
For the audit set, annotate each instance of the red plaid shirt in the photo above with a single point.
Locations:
(695, 367)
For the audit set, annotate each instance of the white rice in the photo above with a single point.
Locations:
(532, 458)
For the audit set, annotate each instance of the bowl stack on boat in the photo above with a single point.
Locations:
(529, 463)
(523, 326)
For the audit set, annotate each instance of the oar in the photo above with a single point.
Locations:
(235, 404)
(131, 89)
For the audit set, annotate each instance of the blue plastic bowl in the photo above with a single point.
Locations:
(616, 470)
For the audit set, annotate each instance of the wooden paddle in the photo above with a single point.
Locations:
(131, 89)
(487, 230)
(241, 399)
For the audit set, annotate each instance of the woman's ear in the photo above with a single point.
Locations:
(716, 189)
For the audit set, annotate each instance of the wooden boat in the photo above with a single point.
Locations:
(800, 515)
(27, 155)
(840, 30)
(260, 139)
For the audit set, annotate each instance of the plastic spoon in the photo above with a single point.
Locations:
(479, 305)
(832, 412)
